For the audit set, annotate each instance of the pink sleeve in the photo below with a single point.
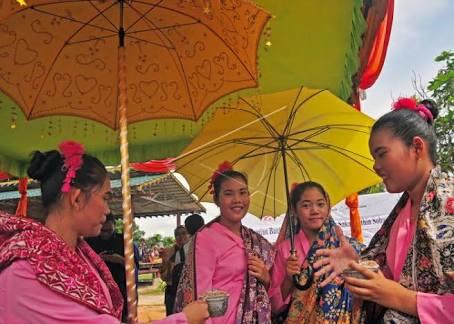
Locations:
(25, 300)
(434, 308)
(178, 318)
(206, 259)
(278, 274)
(205, 256)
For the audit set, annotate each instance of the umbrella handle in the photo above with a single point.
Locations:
(296, 278)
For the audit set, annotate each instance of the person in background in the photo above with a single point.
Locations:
(110, 247)
(171, 257)
(414, 246)
(224, 255)
(193, 223)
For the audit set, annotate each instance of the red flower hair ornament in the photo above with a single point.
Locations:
(72, 153)
(223, 167)
(412, 104)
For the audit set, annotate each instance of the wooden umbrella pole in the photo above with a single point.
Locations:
(126, 190)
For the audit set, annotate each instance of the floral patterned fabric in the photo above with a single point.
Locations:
(58, 267)
(330, 304)
(254, 305)
(429, 265)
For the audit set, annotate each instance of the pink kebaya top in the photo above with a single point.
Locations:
(279, 272)
(432, 308)
(29, 301)
(221, 264)
(23, 299)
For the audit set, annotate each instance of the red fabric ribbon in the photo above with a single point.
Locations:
(22, 206)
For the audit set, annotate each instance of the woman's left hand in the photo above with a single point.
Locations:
(257, 268)
(381, 290)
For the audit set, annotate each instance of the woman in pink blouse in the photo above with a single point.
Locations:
(315, 230)
(414, 247)
(48, 273)
(224, 255)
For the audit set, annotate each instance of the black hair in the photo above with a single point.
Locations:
(226, 175)
(296, 193)
(193, 223)
(178, 228)
(300, 188)
(47, 168)
(406, 124)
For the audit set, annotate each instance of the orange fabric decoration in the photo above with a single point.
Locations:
(379, 48)
(355, 218)
(23, 201)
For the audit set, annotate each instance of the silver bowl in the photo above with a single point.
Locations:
(217, 305)
(371, 265)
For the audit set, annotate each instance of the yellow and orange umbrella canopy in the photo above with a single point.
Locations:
(61, 57)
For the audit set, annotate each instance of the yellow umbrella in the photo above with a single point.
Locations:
(291, 136)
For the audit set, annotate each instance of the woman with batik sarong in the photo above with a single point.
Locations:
(315, 229)
(224, 255)
(415, 246)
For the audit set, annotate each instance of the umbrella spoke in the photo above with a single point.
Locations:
(141, 15)
(299, 163)
(149, 42)
(272, 171)
(54, 60)
(83, 23)
(292, 114)
(91, 39)
(102, 14)
(324, 128)
(262, 118)
(214, 32)
(295, 110)
(144, 17)
(342, 151)
(176, 58)
(161, 28)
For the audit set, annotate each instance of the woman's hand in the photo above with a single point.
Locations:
(196, 312)
(380, 290)
(334, 261)
(293, 267)
(257, 268)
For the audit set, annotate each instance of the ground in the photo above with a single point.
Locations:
(151, 302)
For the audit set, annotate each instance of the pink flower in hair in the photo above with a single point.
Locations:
(72, 153)
(412, 104)
(405, 103)
(223, 167)
(293, 186)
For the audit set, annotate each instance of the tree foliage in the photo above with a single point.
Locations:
(138, 234)
(441, 89)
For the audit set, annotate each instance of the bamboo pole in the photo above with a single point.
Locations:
(126, 190)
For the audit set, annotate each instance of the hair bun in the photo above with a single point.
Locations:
(432, 106)
(43, 164)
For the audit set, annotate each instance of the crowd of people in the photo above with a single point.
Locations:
(49, 274)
